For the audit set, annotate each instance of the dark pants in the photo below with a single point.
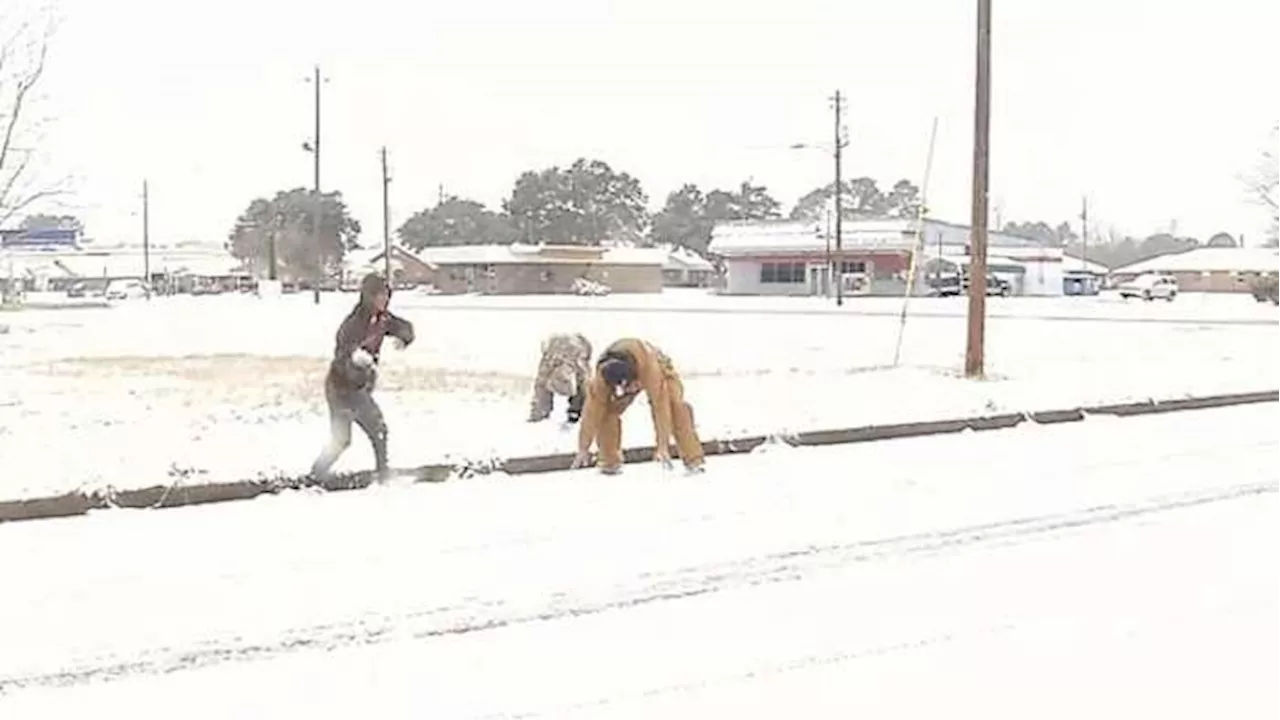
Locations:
(345, 407)
(575, 406)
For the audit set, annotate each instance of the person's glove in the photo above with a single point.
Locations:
(361, 358)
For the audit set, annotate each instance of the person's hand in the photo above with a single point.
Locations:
(361, 358)
(398, 343)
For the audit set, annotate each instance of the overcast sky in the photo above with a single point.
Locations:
(1151, 108)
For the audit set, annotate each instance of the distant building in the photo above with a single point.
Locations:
(784, 257)
(685, 268)
(407, 269)
(527, 269)
(1081, 276)
(180, 269)
(1208, 269)
(39, 239)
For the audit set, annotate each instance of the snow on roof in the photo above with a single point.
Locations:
(122, 264)
(1071, 263)
(360, 258)
(748, 237)
(779, 236)
(541, 255)
(679, 258)
(1209, 260)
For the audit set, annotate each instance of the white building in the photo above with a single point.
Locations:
(786, 257)
(1208, 269)
(58, 268)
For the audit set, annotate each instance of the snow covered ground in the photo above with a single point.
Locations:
(227, 388)
(1109, 568)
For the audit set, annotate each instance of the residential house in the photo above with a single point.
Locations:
(1208, 269)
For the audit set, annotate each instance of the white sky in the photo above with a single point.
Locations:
(1150, 107)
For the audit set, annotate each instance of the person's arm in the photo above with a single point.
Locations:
(400, 329)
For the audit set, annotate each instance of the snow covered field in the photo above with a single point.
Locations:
(1108, 568)
(227, 388)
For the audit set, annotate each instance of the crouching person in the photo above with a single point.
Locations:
(353, 373)
(565, 369)
(624, 369)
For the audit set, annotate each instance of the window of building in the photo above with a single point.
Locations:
(853, 266)
(786, 272)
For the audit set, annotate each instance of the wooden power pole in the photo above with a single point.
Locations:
(976, 335)
(386, 219)
(146, 239)
(1084, 233)
(838, 150)
(318, 211)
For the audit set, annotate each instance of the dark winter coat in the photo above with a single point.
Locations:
(364, 330)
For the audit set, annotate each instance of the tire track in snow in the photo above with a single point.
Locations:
(478, 614)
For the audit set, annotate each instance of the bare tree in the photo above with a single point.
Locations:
(1260, 183)
(24, 49)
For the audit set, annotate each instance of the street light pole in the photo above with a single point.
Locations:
(973, 356)
(386, 219)
(1084, 233)
(146, 240)
(838, 152)
(318, 201)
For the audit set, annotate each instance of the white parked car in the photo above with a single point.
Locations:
(1151, 286)
(126, 290)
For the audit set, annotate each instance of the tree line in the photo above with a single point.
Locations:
(1112, 248)
(585, 203)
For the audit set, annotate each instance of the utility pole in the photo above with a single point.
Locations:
(272, 273)
(838, 102)
(440, 195)
(146, 240)
(826, 291)
(386, 218)
(976, 336)
(317, 212)
(1084, 233)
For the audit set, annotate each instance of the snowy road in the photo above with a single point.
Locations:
(1115, 567)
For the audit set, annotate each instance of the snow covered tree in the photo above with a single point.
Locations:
(24, 50)
(281, 227)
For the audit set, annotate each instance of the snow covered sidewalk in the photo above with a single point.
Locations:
(1102, 568)
(226, 389)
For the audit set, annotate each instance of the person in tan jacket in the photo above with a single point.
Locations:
(624, 369)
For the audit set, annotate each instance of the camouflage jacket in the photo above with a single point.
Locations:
(565, 369)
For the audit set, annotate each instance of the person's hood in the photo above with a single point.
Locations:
(372, 285)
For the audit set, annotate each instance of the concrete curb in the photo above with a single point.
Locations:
(179, 495)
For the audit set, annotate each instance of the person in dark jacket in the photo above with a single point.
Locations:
(353, 373)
